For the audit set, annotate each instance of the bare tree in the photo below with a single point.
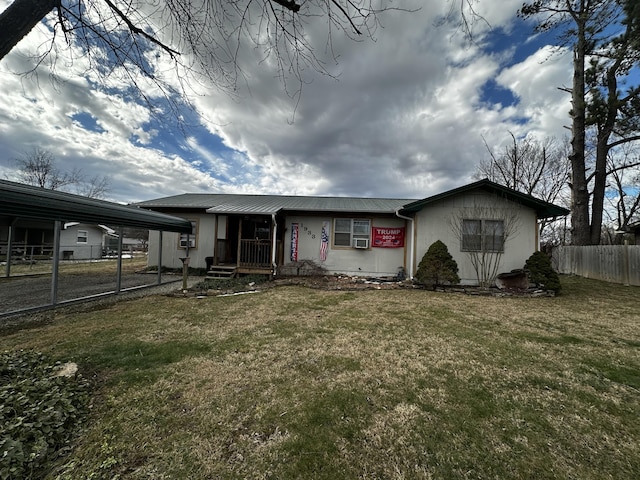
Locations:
(483, 232)
(623, 202)
(37, 167)
(604, 38)
(536, 167)
(201, 39)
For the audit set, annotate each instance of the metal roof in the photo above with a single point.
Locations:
(543, 209)
(271, 204)
(224, 203)
(26, 201)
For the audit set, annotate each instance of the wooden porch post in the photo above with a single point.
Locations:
(215, 240)
(274, 227)
(239, 241)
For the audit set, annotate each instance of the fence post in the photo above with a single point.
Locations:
(9, 248)
(625, 263)
(119, 262)
(57, 226)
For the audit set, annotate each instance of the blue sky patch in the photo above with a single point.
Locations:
(87, 121)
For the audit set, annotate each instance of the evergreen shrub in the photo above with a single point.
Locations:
(437, 266)
(540, 271)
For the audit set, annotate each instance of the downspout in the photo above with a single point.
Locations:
(159, 279)
(274, 267)
(412, 249)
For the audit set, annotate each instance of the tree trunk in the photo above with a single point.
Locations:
(18, 20)
(605, 130)
(580, 228)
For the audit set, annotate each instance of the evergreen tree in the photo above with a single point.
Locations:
(437, 266)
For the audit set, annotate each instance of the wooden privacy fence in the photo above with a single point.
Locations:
(611, 263)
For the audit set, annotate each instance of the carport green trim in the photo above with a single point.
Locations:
(26, 201)
(543, 209)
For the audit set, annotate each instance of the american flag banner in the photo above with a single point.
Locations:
(294, 242)
(324, 243)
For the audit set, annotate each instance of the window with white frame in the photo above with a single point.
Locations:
(351, 232)
(189, 240)
(482, 235)
(82, 237)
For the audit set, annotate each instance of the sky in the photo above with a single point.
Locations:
(405, 114)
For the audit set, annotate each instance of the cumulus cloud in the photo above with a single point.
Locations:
(401, 115)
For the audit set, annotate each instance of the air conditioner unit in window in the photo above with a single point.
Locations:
(360, 243)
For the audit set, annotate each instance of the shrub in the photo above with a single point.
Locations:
(437, 266)
(39, 412)
(538, 265)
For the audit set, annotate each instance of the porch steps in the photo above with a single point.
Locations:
(222, 271)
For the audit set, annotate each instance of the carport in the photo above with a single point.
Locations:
(20, 202)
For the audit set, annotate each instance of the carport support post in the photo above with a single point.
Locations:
(160, 257)
(9, 248)
(119, 264)
(56, 261)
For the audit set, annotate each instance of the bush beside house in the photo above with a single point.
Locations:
(540, 271)
(437, 266)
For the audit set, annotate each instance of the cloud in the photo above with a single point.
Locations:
(401, 115)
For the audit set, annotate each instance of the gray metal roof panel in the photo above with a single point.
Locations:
(27, 201)
(543, 209)
(270, 204)
(186, 200)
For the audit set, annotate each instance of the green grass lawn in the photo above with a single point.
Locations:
(39, 267)
(395, 384)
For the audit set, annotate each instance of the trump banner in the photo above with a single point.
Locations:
(386, 237)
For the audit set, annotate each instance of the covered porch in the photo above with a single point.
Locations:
(253, 245)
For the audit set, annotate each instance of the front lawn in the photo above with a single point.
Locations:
(302, 383)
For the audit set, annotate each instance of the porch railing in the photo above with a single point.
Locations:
(255, 253)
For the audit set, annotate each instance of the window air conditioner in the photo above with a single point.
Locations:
(360, 243)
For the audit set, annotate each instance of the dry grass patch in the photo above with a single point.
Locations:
(300, 383)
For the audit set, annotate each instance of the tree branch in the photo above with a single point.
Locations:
(138, 31)
(288, 4)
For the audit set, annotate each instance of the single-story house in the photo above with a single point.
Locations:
(78, 241)
(354, 236)
(29, 238)
(83, 241)
(634, 229)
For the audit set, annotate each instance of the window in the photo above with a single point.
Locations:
(482, 235)
(347, 230)
(189, 240)
(83, 236)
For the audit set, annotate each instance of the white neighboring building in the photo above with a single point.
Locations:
(82, 241)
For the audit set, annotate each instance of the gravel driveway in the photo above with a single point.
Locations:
(34, 291)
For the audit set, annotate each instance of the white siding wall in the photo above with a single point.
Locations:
(171, 251)
(434, 223)
(351, 261)
(81, 251)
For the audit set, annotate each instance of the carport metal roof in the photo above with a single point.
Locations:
(26, 201)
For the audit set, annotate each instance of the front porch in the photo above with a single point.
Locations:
(253, 246)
